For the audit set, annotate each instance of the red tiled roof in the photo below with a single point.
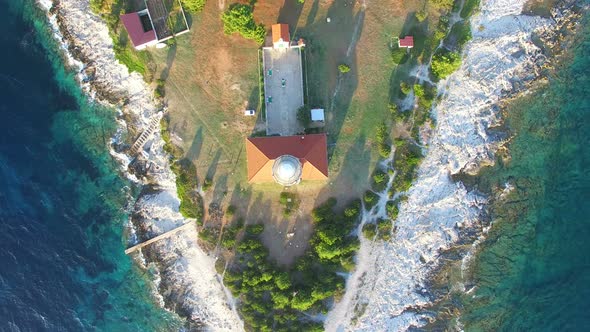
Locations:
(279, 31)
(310, 149)
(407, 41)
(134, 28)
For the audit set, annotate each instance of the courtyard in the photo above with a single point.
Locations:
(283, 90)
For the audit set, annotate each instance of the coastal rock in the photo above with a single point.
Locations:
(500, 62)
(188, 282)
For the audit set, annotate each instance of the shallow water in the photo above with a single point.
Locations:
(62, 202)
(533, 272)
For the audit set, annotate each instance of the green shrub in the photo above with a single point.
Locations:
(174, 151)
(384, 229)
(369, 231)
(469, 8)
(207, 235)
(254, 229)
(230, 211)
(425, 96)
(421, 15)
(392, 210)
(405, 88)
(186, 188)
(239, 18)
(461, 32)
(399, 55)
(304, 116)
(207, 184)
(343, 68)
(193, 5)
(442, 4)
(381, 134)
(379, 177)
(370, 199)
(445, 63)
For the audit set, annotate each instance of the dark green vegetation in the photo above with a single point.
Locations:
(193, 5)
(239, 18)
(279, 299)
(290, 201)
(191, 203)
(470, 7)
(304, 116)
(399, 55)
(445, 63)
(343, 68)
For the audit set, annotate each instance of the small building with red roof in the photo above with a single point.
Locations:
(407, 42)
(280, 35)
(152, 25)
(140, 29)
(287, 159)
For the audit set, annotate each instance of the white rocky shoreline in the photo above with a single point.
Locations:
(389, 290)
(185, 275)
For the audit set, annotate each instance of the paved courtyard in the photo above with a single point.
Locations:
(283, 85)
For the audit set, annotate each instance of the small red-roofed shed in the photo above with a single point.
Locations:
(407, 41)
(140, 29)
(280, 35)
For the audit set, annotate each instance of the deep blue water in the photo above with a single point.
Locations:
(62, 202)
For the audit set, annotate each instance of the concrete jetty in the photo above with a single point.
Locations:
(160, 237)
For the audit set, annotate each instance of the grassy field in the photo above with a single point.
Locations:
(208, 78)
(211, 78)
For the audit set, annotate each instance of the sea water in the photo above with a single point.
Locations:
(533, 270)
(63, 204)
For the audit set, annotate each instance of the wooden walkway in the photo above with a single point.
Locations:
(159, 237)
(147, 133)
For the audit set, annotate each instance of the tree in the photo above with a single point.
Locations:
(369, 231)
(304, 116)
(343, 68)
(193, 5)
(399, 55)
(421, 15)
(239, 18)
(443, 64)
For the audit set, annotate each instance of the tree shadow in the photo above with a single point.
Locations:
(220, 189)
(213, 166)
(261, 212)
(290, 12)
(170, 56)
(313, 12)
(194, 151)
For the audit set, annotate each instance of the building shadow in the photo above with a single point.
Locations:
(170, 56)
(353, 173)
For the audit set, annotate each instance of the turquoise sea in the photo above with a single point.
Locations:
(62, 200)
(533, 270)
